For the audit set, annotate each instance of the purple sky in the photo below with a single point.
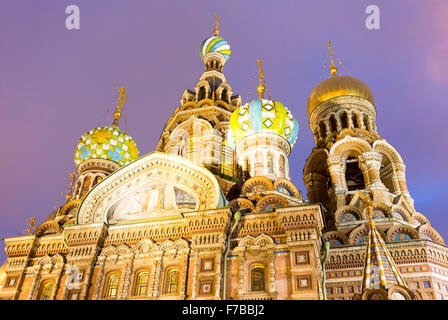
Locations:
(56, 84)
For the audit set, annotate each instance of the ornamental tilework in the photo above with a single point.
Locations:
(263, 116)
(380, 268)
(215, 44)
(107, 143)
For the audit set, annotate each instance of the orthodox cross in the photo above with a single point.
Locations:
(216, 31)
(121, 98)
(333, 69)
(72, 183)
(260, 87)
(31, 225)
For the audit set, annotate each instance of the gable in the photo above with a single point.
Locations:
(155, 185)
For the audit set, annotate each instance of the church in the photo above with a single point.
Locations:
(212, 213)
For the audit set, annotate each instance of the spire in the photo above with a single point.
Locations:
(121, 98)
(216, 31)
(379, 267)
(333, 69)
(260, 87)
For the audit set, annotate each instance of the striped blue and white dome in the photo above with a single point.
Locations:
(215, 44)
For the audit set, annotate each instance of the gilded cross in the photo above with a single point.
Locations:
(333, 69)
(260, 87)
(31, 223)
(216, 32)
(122, 96)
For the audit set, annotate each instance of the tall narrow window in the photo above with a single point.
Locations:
(46, 290)
(333, 125)
(257, 278)
(344, 120)
(366, 123)
(282, 164)
(355, 120)
(171, 281)
(323, 129)
(201, 94)
(354, 177)
(141, 283)
(224, 95)
(112, 286)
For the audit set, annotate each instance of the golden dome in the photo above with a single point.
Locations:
(338, 86)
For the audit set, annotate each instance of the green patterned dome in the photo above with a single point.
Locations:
(107, 143)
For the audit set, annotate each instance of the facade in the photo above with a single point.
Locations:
(212, 212)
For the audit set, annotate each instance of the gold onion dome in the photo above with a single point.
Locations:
(338, 86)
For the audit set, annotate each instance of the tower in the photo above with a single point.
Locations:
(198, 129)
(351, 161)
(263, 133)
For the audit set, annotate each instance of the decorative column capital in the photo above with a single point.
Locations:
(370, 164)
(336, 167)
(371, 158)
(335, 160)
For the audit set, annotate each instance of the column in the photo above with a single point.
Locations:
(336, 167)
(400, 174)
(370, 163)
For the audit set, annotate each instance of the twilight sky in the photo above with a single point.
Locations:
(55, 84)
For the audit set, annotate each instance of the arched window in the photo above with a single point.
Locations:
(344, 120)
(257, 278)
(141, 283)
(366, 122)
(333, 125)
(282, 164)
(201, 94)
(172, 281)
(354, 177)
(46, 290)
(355, 120)
(224, 95)
(323, 129)
(111, 289)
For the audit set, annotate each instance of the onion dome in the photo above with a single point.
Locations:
(107, 143)
(338, 86)
(215, 44)
(262, 115)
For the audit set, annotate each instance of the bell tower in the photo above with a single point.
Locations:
(198, 129)
(351, 159)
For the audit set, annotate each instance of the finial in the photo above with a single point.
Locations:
(68, 197)
(216, 31)
(121, 98)
(333, 69)
(369, 205)
(260, 87)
